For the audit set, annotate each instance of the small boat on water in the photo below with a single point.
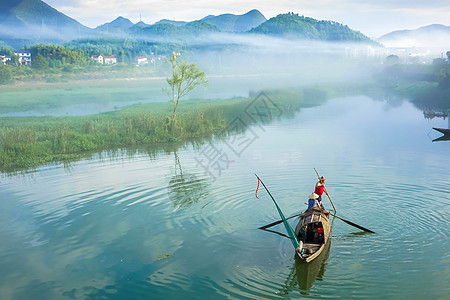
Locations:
(313, 232)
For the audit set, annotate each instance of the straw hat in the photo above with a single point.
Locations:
(322, 179)
(313, 196)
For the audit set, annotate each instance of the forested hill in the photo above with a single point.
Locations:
(32, 18)
(30, 22)
(236, 23)
(169, 31)
(295, 26)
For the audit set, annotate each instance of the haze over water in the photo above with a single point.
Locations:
(137, 225)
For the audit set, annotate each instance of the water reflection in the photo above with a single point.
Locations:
(445, 137)
(185, 189)
(100, 230)
(307, 273)
(303, 275)
(430, 114)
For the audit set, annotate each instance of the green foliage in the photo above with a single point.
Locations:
(3, 45)
(392, 74)
(5, 74)
(236, 23)
(428, 86)
(39, 62)
(168, 30)
(57, 56)
(184, 78)
(31, 141)
(293, 25)
(125, 49)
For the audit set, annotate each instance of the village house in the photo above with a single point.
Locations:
(24, 57)
(5, 59)
(110, 60)
(98, 58)
(141, 60)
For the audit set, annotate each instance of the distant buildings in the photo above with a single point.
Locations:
(98, 58)
(24, 57)
(110, 60)
(138, 60)
(141, 60)
(105, 60)
(5, 59)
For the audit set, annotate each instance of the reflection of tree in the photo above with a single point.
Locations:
(185, 189)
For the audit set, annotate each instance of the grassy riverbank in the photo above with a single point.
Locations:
(424, 94)
(32, 141)
(43, 96)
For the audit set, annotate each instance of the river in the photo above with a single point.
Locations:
(182, 224)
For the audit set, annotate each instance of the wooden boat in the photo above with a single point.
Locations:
(307, 273)
(313, 232)
(442, 130)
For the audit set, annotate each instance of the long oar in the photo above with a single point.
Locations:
(346, 221)
(325, 190)
(288, 227)
(277, 222)
(353, 224)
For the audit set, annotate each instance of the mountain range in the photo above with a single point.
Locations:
(33, 21)
(435, 34)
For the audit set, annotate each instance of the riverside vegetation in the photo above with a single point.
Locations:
(28, 142)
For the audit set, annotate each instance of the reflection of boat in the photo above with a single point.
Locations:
(443, 130)
(313, 231)
(304, 274)
(445, 137)
(307, 273)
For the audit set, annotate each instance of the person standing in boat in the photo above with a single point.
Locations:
(319, 189)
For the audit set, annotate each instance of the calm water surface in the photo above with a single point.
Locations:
(140, 226)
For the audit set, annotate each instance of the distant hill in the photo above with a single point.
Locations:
(169, 30)
(236, 23)
(27, 22)
(119, 23)
(427, 36)
(140, 24)
(35, 19)
(176, 23)
(292, 25)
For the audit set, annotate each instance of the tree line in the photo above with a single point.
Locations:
(76, 56)
(294, 25)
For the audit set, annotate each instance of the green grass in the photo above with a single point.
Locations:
(27, 142)
(37, 96)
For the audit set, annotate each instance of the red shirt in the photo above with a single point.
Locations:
(319, 189)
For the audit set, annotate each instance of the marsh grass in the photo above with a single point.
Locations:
(27, 142)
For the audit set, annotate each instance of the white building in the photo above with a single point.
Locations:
(5, 59)
(98, 58)
(141, 60)
(110, 60)
(24, 57)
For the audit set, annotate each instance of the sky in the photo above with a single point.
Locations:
(372, 17)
